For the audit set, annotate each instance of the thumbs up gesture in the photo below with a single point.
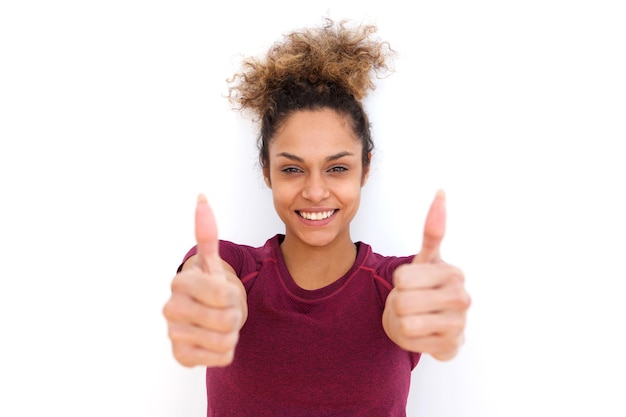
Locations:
(426, 310)
(207, 307)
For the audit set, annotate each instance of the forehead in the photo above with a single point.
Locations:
(315, 132)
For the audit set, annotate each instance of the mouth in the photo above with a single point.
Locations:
(316, 216)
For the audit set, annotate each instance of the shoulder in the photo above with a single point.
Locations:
(246, 259)
(242, 258)
(382, 266)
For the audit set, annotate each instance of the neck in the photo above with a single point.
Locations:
(314, 267)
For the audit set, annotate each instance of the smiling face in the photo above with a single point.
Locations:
(316, 174)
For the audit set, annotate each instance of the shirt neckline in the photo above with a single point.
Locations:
(320, 293)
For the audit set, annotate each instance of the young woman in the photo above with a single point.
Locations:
(312, 323)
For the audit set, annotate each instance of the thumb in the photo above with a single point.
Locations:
(434, 230)
(208, 259)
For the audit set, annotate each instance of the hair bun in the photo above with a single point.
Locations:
(332, 54)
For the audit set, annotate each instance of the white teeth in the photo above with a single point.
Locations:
(316, 216)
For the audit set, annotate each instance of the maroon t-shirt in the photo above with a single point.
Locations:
(311, 352)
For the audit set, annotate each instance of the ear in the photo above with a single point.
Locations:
(366, 170)
(266, 177)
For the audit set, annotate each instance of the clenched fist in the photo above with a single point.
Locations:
(426, 310)
(207, 307)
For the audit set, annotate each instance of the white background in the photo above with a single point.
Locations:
(112, 119)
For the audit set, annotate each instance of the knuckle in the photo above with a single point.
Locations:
(459, 299)
(449, 347)
(172, 310)
(174, 334)
(201, 315)
(181, 309)
(223, 292)
(401, 305)
(226, 343)
(232, 320)
(223, 359)
(456, 275)
(400, 279)
(403, 326)
(467, 302)
(454, 325)
(167, 310)
(180, 283)
(408, 326)
(183, 356)
(216, 319)
(451, 326)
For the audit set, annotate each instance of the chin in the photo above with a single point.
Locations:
(318, 239)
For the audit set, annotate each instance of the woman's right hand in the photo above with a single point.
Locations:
(208, 304)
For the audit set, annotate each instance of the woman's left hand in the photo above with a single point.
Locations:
(426, 310)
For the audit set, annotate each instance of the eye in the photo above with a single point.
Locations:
(338, 168)
(291, 170)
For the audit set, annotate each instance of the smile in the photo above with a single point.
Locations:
(321, 215)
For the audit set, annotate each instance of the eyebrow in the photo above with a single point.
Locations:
(328, 159)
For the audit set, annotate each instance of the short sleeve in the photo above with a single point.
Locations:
(188, 255)
(386, 268)
(235, 255)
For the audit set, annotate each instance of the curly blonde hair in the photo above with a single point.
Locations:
(331, 66)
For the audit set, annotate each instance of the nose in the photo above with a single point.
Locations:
(315, 189)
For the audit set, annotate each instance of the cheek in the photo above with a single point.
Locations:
(349, 193)
(281, 194)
